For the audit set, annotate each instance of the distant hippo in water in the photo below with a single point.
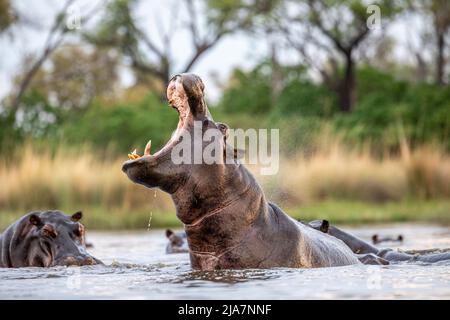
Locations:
(227, 219)
(177, 242)
(376, 239)
(370, 252)
(45, 239)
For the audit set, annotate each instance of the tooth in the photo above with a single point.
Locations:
(133, 155)
(148, 148)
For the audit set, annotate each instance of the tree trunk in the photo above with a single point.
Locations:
(346, 89)
(276, 77)
(421, 70)
(440, 63)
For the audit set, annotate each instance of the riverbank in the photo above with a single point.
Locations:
(338, 212)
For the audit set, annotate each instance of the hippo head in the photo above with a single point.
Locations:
(177, 242)
(192, 181)
(51, 238)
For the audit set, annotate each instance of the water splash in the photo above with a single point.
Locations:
(151, 212)
(150, 221)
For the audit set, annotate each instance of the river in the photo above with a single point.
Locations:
(136, 267)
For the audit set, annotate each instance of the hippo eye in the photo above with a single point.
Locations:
(49, 232)
(78, 231)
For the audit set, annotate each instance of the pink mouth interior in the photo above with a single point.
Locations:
(177, 99)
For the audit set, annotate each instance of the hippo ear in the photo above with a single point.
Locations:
(77, 216)
(169, 233)
(35, 220)
(324, 226)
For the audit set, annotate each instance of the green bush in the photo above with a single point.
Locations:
(306, 99)
(249, 92)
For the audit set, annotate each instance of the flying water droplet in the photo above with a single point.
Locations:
(150, 221)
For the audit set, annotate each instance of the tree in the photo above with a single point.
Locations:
(327, 34)
(55, 36)
(440, 12)
(75, 75)
(256, 18)
(205, 23)
(7, 15)
(437, 15)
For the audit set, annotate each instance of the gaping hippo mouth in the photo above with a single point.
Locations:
(179, 99)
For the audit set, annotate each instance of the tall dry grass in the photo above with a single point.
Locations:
(68, 178)
(78, 179)
(338, 173)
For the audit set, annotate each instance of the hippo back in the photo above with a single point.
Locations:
(321, 249)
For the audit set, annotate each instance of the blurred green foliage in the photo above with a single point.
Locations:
(388, 109)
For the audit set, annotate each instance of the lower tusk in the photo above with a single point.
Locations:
(148, 148)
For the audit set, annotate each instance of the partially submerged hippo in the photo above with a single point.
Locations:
(376, 239)
(45, 239)
(369, 251)
(228, 221)
(177, 242)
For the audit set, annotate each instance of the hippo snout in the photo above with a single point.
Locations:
(78, 261)
(139, 170)
(126, 166)
(130, 168)
(133, 168)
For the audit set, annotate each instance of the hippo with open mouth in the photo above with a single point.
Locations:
(45, 239)
(228, 221)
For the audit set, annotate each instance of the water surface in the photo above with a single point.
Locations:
(138, 268)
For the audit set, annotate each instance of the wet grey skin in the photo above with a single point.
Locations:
(45, 239)
(177, 242)
(228, 221)
(368, 253)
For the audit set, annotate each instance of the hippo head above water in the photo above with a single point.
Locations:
(45, 239)
(177, 242)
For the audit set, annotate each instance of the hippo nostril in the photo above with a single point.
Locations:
(70, 261)
(88, 261)
(78, 261)
(129, 164)
(125, 167)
